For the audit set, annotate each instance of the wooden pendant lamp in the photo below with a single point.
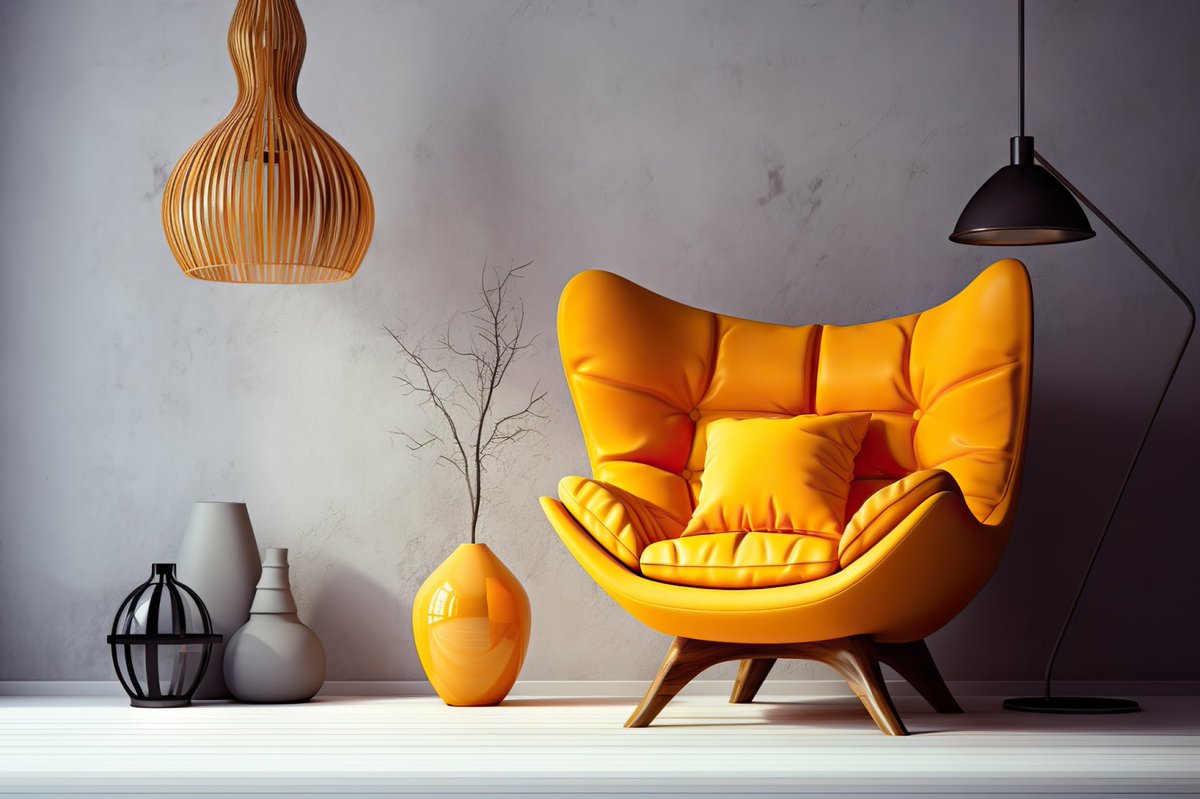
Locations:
(267, 196)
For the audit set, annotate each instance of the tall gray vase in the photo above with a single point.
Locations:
(219, 560)
(274, 657)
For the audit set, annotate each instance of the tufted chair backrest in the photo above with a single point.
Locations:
(947, 388)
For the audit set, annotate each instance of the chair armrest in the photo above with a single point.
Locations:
(619, 521)
(888, 507)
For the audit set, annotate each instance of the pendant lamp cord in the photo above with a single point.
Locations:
(1153, 417)
(1020, 67)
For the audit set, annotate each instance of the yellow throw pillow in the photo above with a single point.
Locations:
(778, 475)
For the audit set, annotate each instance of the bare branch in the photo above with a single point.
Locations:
(429, 389)
(495, 338)
(531, 410)
(415, 444)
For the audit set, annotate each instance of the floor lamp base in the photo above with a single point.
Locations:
(1071, 704)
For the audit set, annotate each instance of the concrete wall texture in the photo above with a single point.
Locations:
(786, 161)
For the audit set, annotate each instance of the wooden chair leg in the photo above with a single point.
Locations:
(913, 662)
(750, 677)
(685, 659)
(854, 658)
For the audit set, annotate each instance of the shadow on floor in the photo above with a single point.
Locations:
(569, 701)
(985, 716)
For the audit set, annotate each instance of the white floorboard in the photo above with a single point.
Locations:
(701, 745)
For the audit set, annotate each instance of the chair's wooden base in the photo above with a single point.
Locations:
(750, 677)
(856, 659)
(913, 662)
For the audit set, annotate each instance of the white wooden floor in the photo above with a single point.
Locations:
(382, 746)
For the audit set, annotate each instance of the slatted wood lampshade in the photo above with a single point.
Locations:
(267, 196)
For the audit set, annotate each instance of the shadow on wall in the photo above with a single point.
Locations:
(365, 627)
(1077, 456)
(1133, 600)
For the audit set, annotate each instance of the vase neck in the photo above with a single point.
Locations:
(293, 616)
(273, 602)
(274, 592)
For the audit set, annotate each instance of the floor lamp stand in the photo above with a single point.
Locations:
(1084, 704)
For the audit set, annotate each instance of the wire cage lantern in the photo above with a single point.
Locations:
(162, 639)
(267, 196)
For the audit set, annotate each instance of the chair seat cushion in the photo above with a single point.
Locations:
(741, 560)
(778, 474)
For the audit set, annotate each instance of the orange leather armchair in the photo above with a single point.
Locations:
(930, 508)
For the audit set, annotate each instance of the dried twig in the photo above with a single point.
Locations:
(475, 428)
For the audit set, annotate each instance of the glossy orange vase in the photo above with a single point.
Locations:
(471, 627)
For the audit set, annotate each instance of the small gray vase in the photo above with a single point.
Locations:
(274, 657)
(218, 559)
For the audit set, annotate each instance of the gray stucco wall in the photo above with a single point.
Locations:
(640, 137)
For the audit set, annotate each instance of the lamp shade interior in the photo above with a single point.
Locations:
(1021, 205)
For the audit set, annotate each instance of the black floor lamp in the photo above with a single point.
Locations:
(1030, 202)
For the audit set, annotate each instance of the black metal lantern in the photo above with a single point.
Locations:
(162, 639)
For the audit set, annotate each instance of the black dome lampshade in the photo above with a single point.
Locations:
(1021, 205)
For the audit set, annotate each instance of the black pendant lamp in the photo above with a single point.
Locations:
(1029, 202)
(1022, 204)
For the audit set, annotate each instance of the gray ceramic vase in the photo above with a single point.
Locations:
(218, 559)
(274, 657)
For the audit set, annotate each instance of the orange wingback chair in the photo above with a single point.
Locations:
(929, 510)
